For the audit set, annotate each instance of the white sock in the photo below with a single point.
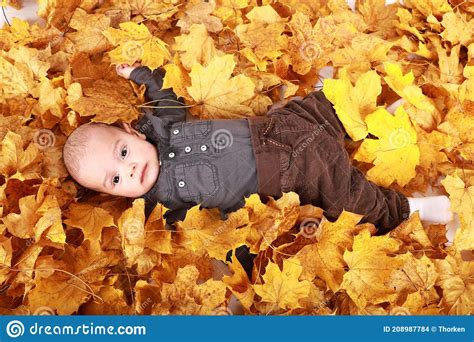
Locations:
(433, 208)
(391, 109)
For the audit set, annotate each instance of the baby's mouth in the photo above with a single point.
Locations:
(143, 173)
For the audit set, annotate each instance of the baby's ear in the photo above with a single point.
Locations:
(126, 126)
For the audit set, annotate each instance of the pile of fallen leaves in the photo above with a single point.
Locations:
(66, 251)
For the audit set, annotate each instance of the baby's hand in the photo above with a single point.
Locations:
(125, 70)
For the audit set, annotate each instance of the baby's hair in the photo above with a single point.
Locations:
(75, 146)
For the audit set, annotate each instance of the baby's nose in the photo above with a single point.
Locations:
(133, 170)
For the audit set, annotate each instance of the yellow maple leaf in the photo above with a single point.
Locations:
(136, 43)
(150, 9)
(230, 11)
(185, 296)
(427, 7)
(395, 153)
(107, 100)
(217, 94)
(200, 12)
(462, 202)
(26, 269)
(270, 220)
(15, 81)
(177, 77)
(264, 33)
(195, 47)
(239, 283)
(458, 290)
(131, 225)
(416, 275)
(378, 15)
(50, 222)
(30, 62)
(370, 267)
(51, 98)
(422, 110)
(353, 103)
(90, 220)
(363, 52)
(157, 237)
(69, 290)
(302, 45)
(89, 37)
(16, 34)
(324, 258)
(202, 231)
(283, 287)
(21, 224)
(17, 162)
(455, 26)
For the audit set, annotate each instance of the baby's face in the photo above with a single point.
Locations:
(119, 162)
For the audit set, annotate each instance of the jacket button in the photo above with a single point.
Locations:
(203, 147)
(175, 131)
(171, 154)
(187, 149)
(181, 184)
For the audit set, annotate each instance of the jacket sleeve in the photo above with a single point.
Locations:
(161, 97)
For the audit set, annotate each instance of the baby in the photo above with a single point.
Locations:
(217, 163)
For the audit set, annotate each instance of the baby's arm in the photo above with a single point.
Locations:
(167, 104)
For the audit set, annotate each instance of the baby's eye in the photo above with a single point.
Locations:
(122, 151)
(113, 180)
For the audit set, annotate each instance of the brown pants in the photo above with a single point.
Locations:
(300, 148)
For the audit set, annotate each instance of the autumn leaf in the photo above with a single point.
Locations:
(353, 103)
(303, 45)
(131, 225)
(421, 107)
(218, 94)
(200, 13)
(202, 231)
(90, 220)
(66, 250)
(462, 202)
(136, 43)
(149, 9)
(324, 258)
(283, 287)
(263, 36)
(370, 267)
(196, 47)
(185, 296)
(458, 293)
(109, 102)
(395, 153)
(17, 162)
(89, 37)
